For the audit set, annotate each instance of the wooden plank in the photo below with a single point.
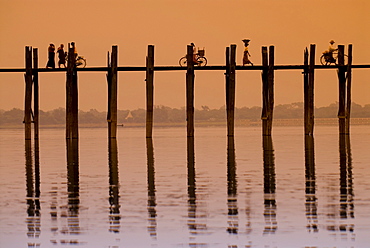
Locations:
(349, 91)
(28, 93)
(342, 90)
(231, 92)
(190, 92)
(149, 91)
(36, 94)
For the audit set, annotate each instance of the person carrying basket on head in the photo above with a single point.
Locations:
(246, 53)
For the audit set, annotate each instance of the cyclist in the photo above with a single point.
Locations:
(329, 53)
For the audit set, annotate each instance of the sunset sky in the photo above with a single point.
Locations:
(289, 25)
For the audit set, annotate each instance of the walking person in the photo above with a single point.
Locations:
(61, 56)
(246, 54)
(51, 56)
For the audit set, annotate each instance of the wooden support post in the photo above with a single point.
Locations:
(270, 88)
(230, 105)
(310, 91)
(227, 77)
(74, 103)
(342, 90)
(112, 93)
(69, 80)
(190, 92)
(28, 93)
(267, 90)
(349, 85)
(71, 96)
(149, 91)
(264, 91)
(36, 94)
(305, 92)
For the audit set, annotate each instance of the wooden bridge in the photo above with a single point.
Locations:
(267, 68)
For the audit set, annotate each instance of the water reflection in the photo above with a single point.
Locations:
(152, 225)
(311, 200)
(114, 207)
(232, 204)
(33, 193)
(269, 186)
(192, 201)
(71, 212)
(346, 210)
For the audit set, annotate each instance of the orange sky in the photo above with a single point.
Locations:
(170, 25)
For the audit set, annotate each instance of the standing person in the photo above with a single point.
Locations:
(246, 53)
(61, 56)
(51, 56)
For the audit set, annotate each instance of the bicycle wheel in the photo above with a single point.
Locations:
(345, 59)
(81, 63)
(182, 61)
(202, 61)
(323, 60)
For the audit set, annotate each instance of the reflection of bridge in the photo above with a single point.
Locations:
(267, 68)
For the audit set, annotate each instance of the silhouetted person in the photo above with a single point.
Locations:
(329, 53)
(51, 56)
(61, 56)
(246, 54)
(194, 53)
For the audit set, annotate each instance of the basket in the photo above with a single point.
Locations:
(201, 53)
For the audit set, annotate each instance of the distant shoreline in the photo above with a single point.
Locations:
(238, 123)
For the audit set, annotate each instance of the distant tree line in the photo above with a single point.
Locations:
(163, 114)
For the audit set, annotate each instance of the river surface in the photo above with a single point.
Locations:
(283, 191)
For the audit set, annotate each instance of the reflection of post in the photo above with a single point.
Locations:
(311, 201)
(33, 203)
(73, 191)
(114, 212)
(152, 226)
(346, 210)
(269, 185)
(192, 202)
(231, 187)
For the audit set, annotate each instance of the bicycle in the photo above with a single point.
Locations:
(80, 61)
(199, 57)
(328, 59)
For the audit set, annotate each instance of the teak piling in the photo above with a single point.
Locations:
(71, 96)
(267, 90)
(309, 79)
(190, 91)
(35, 94)
(28, 93)
(149, 91)
(230, 88)
(349, 86)
(112, 93)
(342, 90)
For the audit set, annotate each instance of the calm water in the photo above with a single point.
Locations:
(169, 191)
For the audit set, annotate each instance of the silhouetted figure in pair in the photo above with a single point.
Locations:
(61, 56)
(51, 56)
